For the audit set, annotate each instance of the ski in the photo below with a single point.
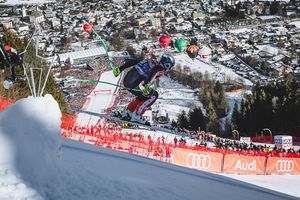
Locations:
(150, 127)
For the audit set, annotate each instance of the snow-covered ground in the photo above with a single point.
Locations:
(35, 163)
(281, 183)
(268, 49)
(216, 71)
(241, 30)
(174, 97)
(100, 99)
(296, 23)
(232, 99)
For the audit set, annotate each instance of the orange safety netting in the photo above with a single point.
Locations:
(5, 102)
(197, 157)
(113, 138)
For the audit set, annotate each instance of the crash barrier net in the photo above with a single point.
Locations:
(178, 153)
(196, 157)
(5, 102)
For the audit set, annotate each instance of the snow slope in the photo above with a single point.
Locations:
(288, 183)
(35, 163)
(216, 71)
(100, 99)
(232, 98)
(174, 97)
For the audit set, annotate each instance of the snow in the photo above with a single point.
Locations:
(280, 183)
(82, 54)
(174, 98)
(268, 49)
(29, 147)
(296, 23)
(226, 57)
(232, 98)
(100, 99)
(240, 30)
(216, 71)
(205, 51)
(35, 163)
(265, 17)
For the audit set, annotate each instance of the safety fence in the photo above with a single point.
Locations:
(5, 102)
(196, 157)
(263, 139)
(113, 138)
(67, 120)
(235, 163)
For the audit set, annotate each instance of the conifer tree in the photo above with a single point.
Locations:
(196, 119)
(182, 120)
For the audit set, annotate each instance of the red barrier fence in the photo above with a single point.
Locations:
(195, 157)
(201, 160)
(67, 121)
(283, 165)
(239, 164)
(112, 138)
(234, 164)
(263, 139)
(5, 102)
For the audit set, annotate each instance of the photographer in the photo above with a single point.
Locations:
(9, 58)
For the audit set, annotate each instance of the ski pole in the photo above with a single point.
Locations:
(103, 43)
(108, 83)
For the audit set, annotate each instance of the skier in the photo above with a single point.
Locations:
(139, 76)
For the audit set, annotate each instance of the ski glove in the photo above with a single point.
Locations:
(116, 71)
(147, 90)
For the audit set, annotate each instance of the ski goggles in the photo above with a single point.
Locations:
(167, 65)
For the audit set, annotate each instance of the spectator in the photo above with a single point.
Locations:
(175, 141)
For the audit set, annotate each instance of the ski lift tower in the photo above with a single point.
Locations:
(37, 76)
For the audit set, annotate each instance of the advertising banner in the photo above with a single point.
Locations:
(245, 139)
(283, 141)
(281, 165)
(200, 160)
(239, 164)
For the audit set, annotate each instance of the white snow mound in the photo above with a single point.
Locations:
(29, 146)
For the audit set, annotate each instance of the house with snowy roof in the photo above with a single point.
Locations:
(37, 17)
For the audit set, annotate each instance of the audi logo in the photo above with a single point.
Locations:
(198, 161)
(285, 166)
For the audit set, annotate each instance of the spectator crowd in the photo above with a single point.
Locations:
(76, 92)
(112, 135)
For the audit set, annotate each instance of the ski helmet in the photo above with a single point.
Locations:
(167, 61)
